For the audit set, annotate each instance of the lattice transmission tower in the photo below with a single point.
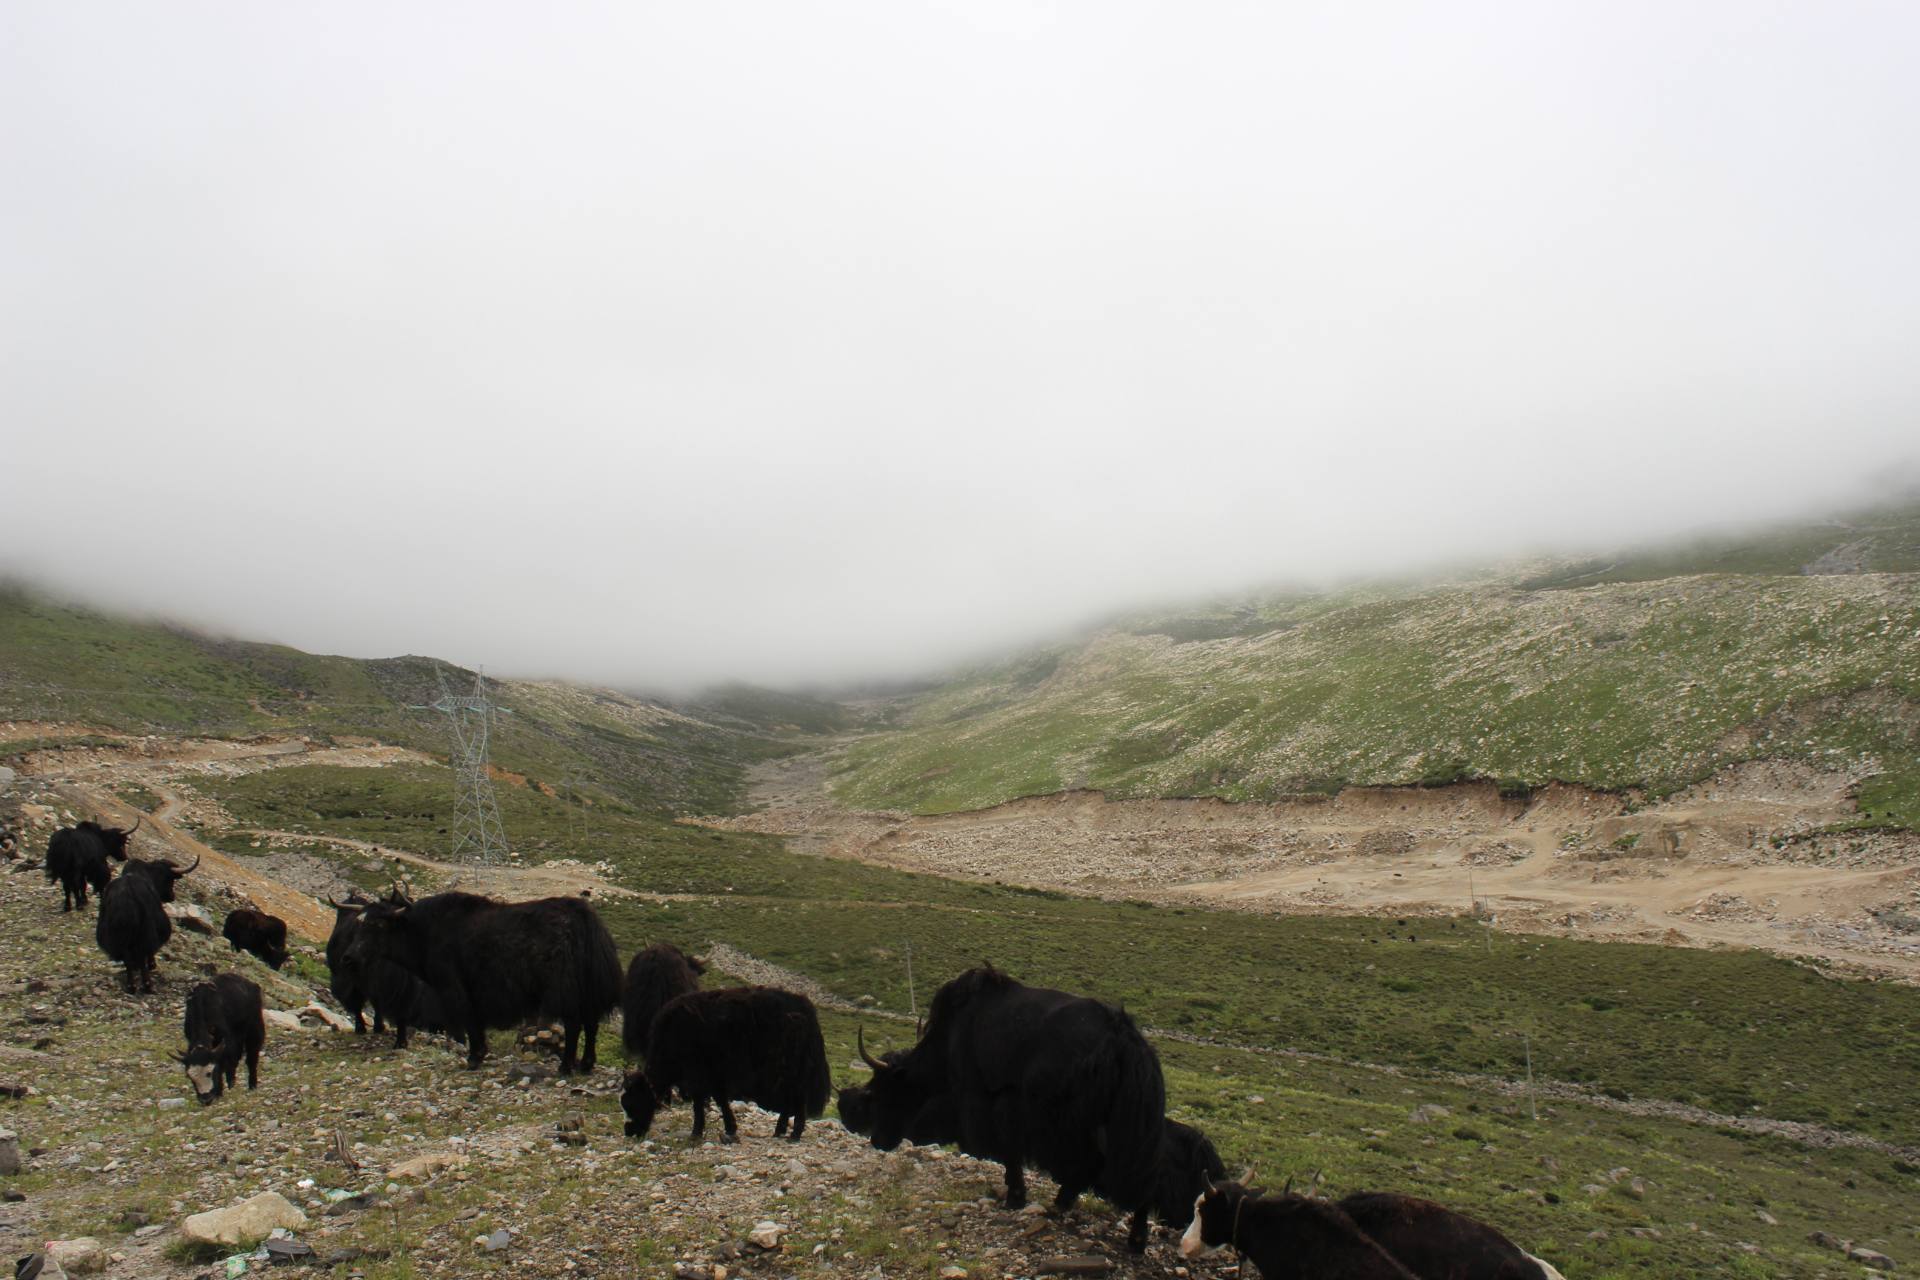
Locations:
(477, 832)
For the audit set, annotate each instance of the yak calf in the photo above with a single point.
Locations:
(746, 1044)
(224, 1023)
(258, 934)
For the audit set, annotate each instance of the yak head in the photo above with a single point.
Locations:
(115, 838)
(161, 875)
(1216, 1214)
(203, 1070)
(386, 930)
(640, 1100)
(885, 1107)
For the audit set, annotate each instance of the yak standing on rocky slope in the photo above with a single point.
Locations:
(747, 1044)
(658, 975)
(1025, 1075)
(133, 923)
(396, 996)
(225, 1022)
(496, 964)
(78, 856)
(258, 934)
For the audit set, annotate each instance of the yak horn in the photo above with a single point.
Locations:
(189, 870)
(860, 1038)
(137, 819)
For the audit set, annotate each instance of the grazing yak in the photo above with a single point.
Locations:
(78, 857)
(133, 924)
(259, 934)
(224, 1023)
(498, 964)
(748, 1044)
(1064, 1083)
(659, 974)
(1367, 1236)
(359, 981)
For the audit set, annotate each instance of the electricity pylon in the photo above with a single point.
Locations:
(477, 832)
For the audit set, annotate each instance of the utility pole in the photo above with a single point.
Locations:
(477, 832)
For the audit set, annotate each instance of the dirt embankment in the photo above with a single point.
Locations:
(1750, 857)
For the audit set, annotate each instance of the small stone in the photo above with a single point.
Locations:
(10, 1161)
(1871, 1258)
(766, 1235)
(1428, 1113)
(496, 1242)
(171, 1104)
(953, 1273)
(424, 1166)
(1766, 1217)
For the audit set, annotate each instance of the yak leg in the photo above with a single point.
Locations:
(253, 1066)
(780, 1126)
(799, 1124)
(359, 1023)
(591, 1056)
(476, 1043)
(699, 1101)
(1016, 1185)
(1064, 1198)
(570, 1054)
(1137, 1231)
(400, 1030)
(732, 1133)
(379, 1020)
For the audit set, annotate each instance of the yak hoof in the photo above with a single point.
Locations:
(730, 1139)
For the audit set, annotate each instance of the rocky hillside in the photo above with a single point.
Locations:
(1651, 685)
(65, 664)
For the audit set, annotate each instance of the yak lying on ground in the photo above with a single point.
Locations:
(746, 1044)
(224, 1023)
(1062, 1082)
(77, 857)
(133, 924)
(1297, 1237)
(257, 933)
(497, 964)
(659, 974)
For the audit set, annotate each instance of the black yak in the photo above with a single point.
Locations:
(133, 924)
(1289, 1237)
(1184, 1167)
(498, 964)
(746, 1044)
(78, 856)
(358, 981)
(1436, 1243)
(1062, 1082)
(257, 933)
(224, 1023)
(658, 974)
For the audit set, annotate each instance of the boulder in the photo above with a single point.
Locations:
(281, 1020)
(187, 915)
(243, 1223)
(422, 1167)
(80, 1256)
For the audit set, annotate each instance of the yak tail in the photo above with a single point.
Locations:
(816, 1077)
(597, 962)
(1135, 1119)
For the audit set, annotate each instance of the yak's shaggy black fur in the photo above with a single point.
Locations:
(224, 1023)
(498, 964)
(258, 934)
(659, 974)
(736, 1044)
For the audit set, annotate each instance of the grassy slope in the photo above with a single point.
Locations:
(62, 662)
(1652, 685)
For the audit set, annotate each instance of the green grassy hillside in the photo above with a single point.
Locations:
(1634, 684)
(66, 663)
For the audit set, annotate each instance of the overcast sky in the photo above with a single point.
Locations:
(655, 343)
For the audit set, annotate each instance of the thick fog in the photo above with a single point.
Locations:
(658, 343)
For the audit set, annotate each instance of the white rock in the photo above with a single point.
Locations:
(766, 1234)
(243, 1223)
(80, 1256)
(422, 1167)
(283, 1020)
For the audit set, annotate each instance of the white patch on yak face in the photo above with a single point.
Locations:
(201, 1077)
(1191, 1245)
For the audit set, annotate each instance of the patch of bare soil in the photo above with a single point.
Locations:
(1747, 858)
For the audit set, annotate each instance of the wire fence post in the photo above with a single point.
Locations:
(913, 1001)
(1533, 1101)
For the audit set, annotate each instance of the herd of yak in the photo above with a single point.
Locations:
(1020, 1075)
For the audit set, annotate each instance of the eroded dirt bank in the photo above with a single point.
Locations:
(1748, 858)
